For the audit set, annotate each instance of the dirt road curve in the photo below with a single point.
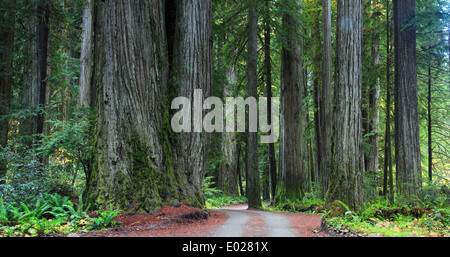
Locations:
(242, 222)
(234, 221)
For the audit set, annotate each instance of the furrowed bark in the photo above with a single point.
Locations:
(407, 145)
(193, 69)
(133, 165)
(347, 159)
(290, 176)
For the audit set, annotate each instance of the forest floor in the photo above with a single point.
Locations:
(232, 221)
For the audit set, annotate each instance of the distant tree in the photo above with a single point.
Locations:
(268, 81)
(43, 15)
(253, 181)
(7, 19)
(86, 55)
(290, 175)
(325, 108)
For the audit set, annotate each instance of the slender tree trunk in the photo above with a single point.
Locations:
(265, 179)
(388, 149)
(317, 87)
(430, 146)
(86, 56)
(325, 108)
(268, 71)
(371, 156)
(407, 152)
(371, 95)
(43, 14)
(30, 91)
(228, 179)
(347, 161)
(387, 141)
(253, 181)
(238, 167)
(290, 175)
(6, 56)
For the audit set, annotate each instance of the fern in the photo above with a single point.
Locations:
(9, 214)
(106, 218)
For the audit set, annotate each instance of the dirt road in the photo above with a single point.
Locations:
(234, 221)
(242, 222)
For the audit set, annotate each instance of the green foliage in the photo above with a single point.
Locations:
(52, 214)
(66, 151)
(216, 202)
(63, 208)
(105, 218)
(209, 188)
(35, 212)
(26, 177)
(381, 218)
(9, 214)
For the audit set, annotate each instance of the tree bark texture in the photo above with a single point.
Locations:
(43, 14)
(347, 159)
(86, 56)
(268, 74)
(290, 176)
(373, 111)
(325, 108)
(253, 181)
(313, 149)
(228, 176)
(407, 145)
(35, 72)
(387, 169)
(134, 165)
(193, 68)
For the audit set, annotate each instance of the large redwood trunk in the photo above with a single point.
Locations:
(134, 166)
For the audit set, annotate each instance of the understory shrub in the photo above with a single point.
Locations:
(52, 214)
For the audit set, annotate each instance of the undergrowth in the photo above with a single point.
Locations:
(379, 218)
(216, 199)
(53, 215)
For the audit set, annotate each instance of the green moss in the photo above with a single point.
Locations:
(140, 186)
(284, 194)
(336, 208)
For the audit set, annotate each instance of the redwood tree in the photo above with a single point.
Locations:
(407, 145)
(347, 158)
(6, 59)
(134, 166)
(253, 182)
(290, 180)
(325, 108)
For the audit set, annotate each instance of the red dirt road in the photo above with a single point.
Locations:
(242, 222)
(234, 221)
